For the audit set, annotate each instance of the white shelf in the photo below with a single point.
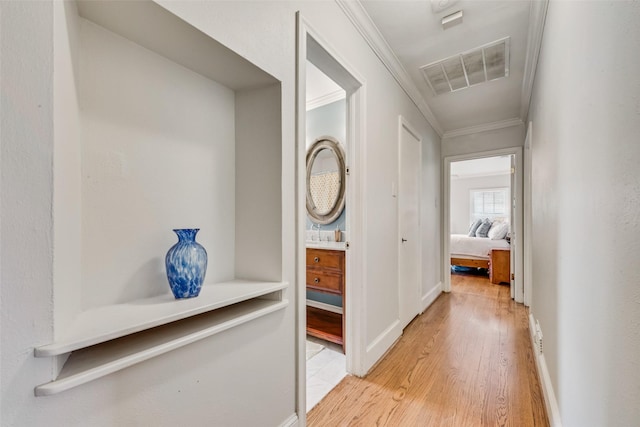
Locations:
(115, 321)
(95, 362)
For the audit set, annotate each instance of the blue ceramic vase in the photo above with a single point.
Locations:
(186, 264)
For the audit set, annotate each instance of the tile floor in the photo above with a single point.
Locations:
(324, 371)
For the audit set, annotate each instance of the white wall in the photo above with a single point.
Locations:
(328, 120)
(220, 380)
(156, 136)
(460, 197)
(68, 168)
(430, 221)
(26, 263)
(508, 137)
(259, 223)
(586, 199)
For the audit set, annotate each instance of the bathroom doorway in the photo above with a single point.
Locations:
(326, 233)
(327, 119)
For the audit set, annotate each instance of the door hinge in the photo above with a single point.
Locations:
(513, 170)
(347, 170)
(346, 245)
(513, 276)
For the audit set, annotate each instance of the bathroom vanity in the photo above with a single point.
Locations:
(326, 274)
(326, 173)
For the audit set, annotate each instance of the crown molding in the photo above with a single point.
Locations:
(365, 26)
(537, 16)
(326, 99)
(483, 127)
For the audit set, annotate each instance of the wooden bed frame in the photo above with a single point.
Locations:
(498, 265)
(465, 262)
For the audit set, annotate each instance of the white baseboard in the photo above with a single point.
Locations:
(292, 421)
(430, 297)
(382, 344)
(550, 402)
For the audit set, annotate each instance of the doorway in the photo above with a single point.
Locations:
(487, 187)
(315, 55)
(326, 131)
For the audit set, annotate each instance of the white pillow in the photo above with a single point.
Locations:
(498, 230)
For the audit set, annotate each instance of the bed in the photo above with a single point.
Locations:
(474, 251)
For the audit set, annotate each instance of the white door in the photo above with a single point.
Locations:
(514, 237)
(409, 238)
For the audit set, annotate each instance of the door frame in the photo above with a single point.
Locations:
(403, 123)
(310, 45)
(528, 215)
(517, 221)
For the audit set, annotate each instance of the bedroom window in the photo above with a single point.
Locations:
(490, 203)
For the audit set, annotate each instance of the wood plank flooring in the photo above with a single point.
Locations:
(466, 361)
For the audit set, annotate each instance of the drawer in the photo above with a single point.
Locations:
(325, 258)
(324, 281)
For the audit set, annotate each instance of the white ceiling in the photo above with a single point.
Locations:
(481, 167)
(415, 35)
(321, 90)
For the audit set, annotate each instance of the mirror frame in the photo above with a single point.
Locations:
(326, 142)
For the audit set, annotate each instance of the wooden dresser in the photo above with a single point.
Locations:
(500, 266)
(326, 274)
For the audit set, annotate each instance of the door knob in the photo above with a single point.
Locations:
(404, 240)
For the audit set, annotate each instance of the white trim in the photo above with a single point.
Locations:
(527, 217)
(518, 237)
(292, 421)
(381, 344)
(550, 402)
(501, 124)
(363, 23)
(325, 99)
(324, 306)
(403, 123)
(356, 223)
(537, 16)
(446, 223)
(428, 298)
(300, 204)
(313, 47)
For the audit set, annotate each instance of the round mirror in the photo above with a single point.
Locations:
(325, 180)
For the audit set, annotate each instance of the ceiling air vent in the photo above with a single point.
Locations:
(483, 64)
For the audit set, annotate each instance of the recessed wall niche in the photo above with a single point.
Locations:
(157, 126)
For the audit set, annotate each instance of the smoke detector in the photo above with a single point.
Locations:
(482, 64)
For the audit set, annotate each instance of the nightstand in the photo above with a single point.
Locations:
(500, 266)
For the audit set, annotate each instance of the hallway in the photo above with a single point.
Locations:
(466, 361)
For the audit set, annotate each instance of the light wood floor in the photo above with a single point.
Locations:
(466, 361)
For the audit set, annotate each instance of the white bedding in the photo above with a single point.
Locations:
(478, 247)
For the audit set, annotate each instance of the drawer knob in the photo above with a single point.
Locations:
(316, 259)
(316, 280)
